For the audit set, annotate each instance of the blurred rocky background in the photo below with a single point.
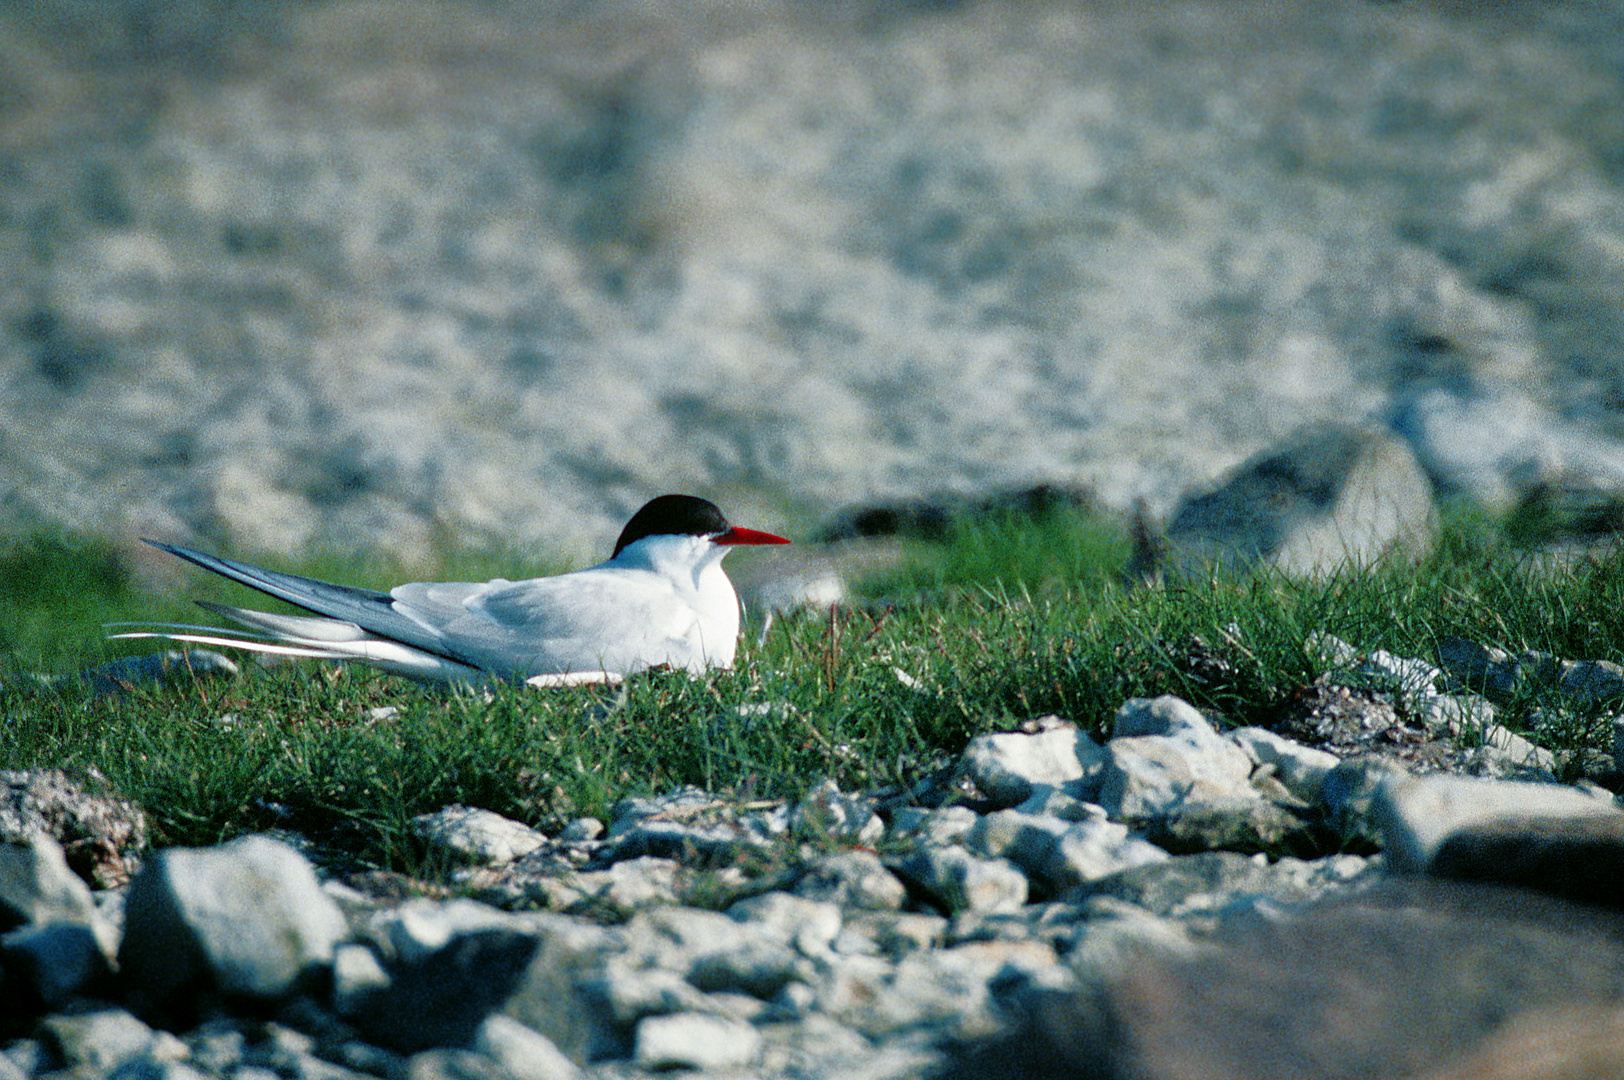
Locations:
(392, 273)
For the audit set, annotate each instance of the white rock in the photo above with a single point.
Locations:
(1326, 495)
(1146, 776)
(357, 975)
(101, 1040)
(249, 914)
(1517, 750)
(1091, 850)
(944, 989)
(828, 812)
(854, 878)
(947, 825)
(1165, 715)
(694, 1041)
(521, 1053)
(1300, 768)
(715, 952)
(810, 925)
(1008, 766)
(1589, 681)
(1052, 802)
(960, 882)
(37, 886)
(1412, 679)
(1417, 814)
(56, 960)
(1117, 935)
(475, 835)
(1330, 650)
(421, 927)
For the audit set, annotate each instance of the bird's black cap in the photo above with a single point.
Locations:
(673, 515)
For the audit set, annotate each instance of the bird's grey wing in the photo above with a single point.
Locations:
(591, 620)
(373, 611)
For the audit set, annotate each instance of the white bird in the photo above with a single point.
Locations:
(660, 598)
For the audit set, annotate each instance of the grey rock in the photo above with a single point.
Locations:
(947, 825)
(1480, 667)
(1413, 297)
(1516, 751)
(1302, 769)
(945, 990)
(688, 825)
(1024, 839)
(1327, 495)
(248, 918)
(586, 828)
(1411, 975)
(694, 1041)
(634, 986)
(1051, 802)
(1058, 853)
(626, 886)
(453, 965)
(891, 934)
(958, 881)
(133, 671)
(1501, 445)
(357, 977)
(1256, 825)
(1418, 814)
(421, 927)
(714, 952)
(1115, 936)
(1330, 650)
(820, 1046)
(56, 962)
(852, 879)
(1456, 715)
(148, 1069)
(1408, 678)
(520, 1053)
(1348, 796)
(1091, 850)
(1009, 766)
(476, 835)
(1591, 681)
(1165, 715)
(99, 834)
(99, 1041)
(561, 993)
(37, 887)
(449, 1063)
(217, 1046)
(1201, 882)
(1150, 776)
(828, 813)
(809, 925)
(1577, 858)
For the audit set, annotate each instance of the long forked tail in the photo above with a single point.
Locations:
(299, 636)
(307, 637)
(373, 615)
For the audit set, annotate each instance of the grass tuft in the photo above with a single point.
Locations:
(997, 624)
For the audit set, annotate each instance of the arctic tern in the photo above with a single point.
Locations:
(661, 598)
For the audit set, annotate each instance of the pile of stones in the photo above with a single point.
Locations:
(1174, 901)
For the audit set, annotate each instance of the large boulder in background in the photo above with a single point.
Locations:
(387, 273)
(1327, 496)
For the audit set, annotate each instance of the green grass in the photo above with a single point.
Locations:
(876, 696)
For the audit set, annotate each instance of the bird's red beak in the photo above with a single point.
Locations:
(737, 535)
